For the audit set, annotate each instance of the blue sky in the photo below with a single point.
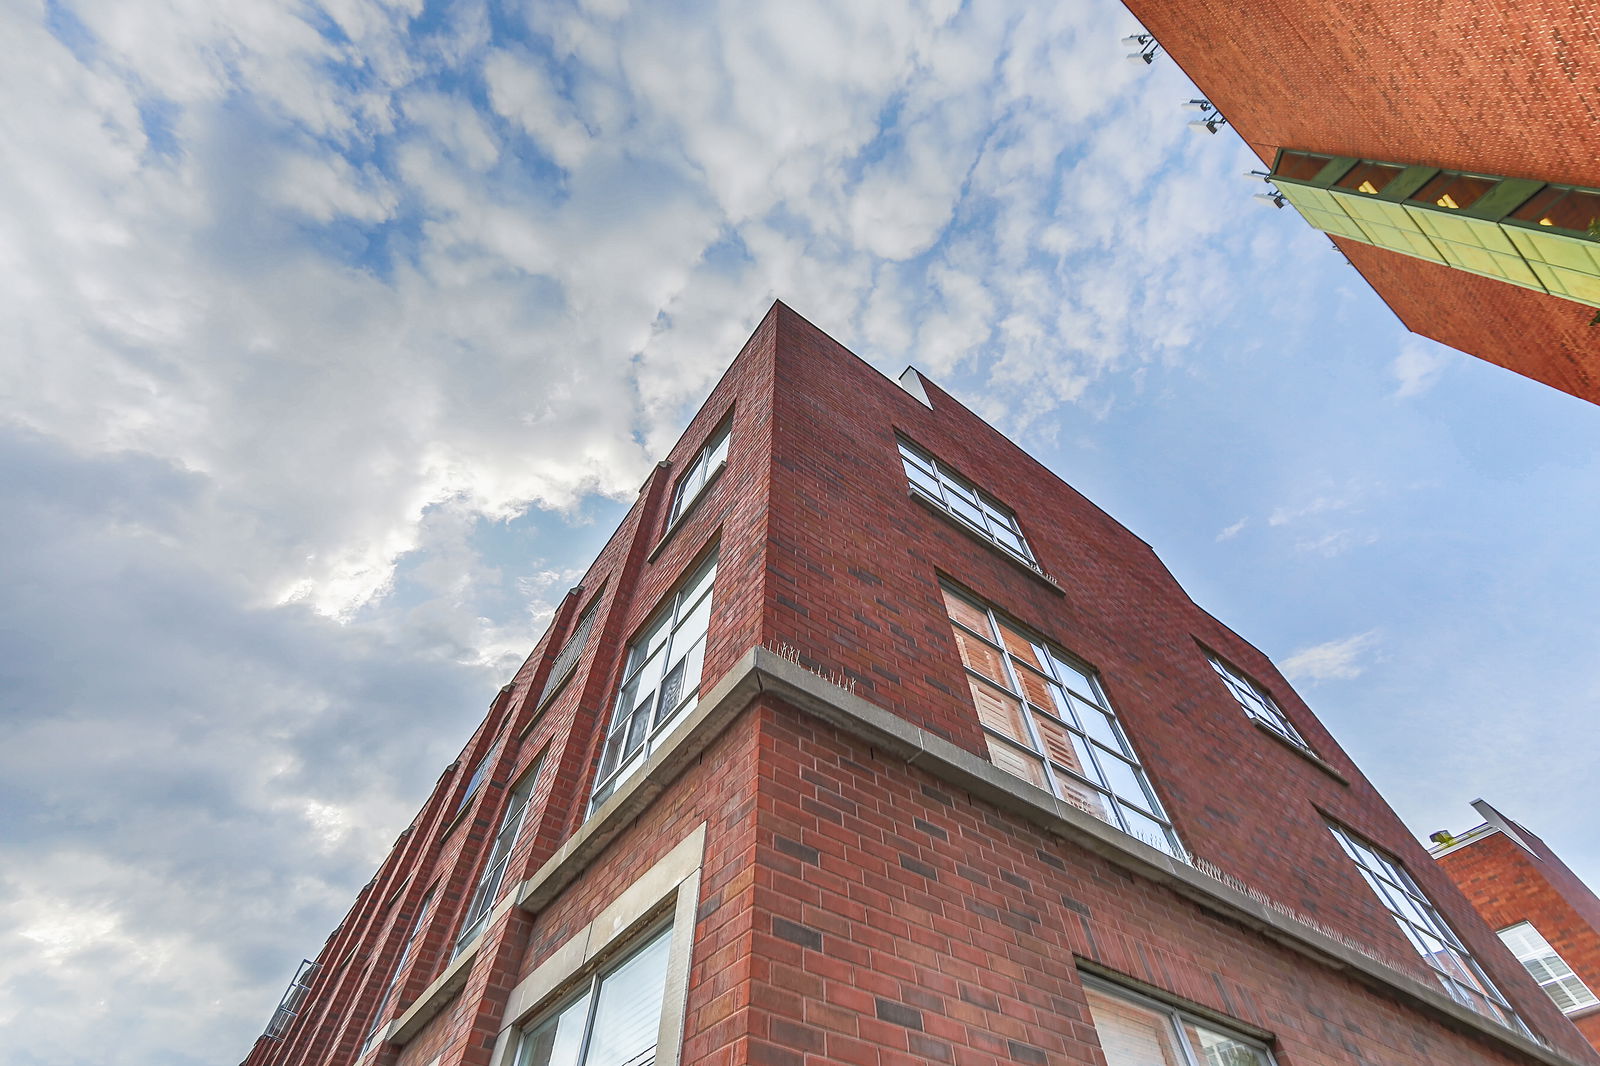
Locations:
(335, 338)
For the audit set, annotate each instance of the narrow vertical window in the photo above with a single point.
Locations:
(1547, 967)
(614, 1021)
(475, 781)
(661, 681)
(980, 512)
(1046, 720)
(572, 650)
(1257, 704)
(1426, 930)
(494, 868)
(417, 925)
(699, 473)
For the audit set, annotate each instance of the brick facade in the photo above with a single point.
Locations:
(872, 890)
(1512, 879)
(1503, 88)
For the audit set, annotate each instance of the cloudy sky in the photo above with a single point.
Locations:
(335, 337)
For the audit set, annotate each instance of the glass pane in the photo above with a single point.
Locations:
(1132, 1035)
(1098, 725)
(1568, 209)
(1123, 779)
(671, 692)
(1147, 829)
(1453, 191)
(1215, 1049)
(1082, 796)
(1370, 178)
(1058, 743)
(968, 614)
(628, 1013)
(718, 447)
(1038, 689)
(699, 585)
(977, 655)
(965, 510)
(1074, 678)
(1302, 165)
(1016, 762)
(558, 1041)
(1000, 711)
(923, 480)
(1020, 646)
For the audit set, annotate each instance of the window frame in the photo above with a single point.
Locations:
(696, 587)
(1528, 959)
(1082, 738)
(1401, 891)
(1273, 717)
(1176, 1017)
(479, 774)
(708, 462)
(481, 904)
(990, 509)
(572, 649)
(590, 985)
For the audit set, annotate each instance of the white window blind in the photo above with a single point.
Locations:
(1547, 967)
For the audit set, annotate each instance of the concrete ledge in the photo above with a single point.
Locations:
(763, 672)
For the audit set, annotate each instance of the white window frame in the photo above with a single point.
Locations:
(669, 887)
(637, 726)
(983, 514)
(1423, 926)
(567, 659)
(1069, 678)
(1545, 965)
(711, 459)
(1177, 1018)
(475, 782)
(491, 879)
(418, 923)
(1255, 702)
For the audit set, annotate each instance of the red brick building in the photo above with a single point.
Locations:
(866, 740)
(1541, 910)
(1502, 90)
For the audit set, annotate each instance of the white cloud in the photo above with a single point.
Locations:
(1335, 660)
(1234, 530)
(1418, 367)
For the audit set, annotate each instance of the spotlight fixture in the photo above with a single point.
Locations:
(1199, 105)
(1146, 45)
(1261, 174)
(1210, 125)
(1274, 198)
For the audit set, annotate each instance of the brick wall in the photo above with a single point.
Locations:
(1508, 885)
(843, 895)
(1506, 88)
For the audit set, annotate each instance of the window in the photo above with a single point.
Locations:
(293, 998)
(1257, 704)
(1370, 178)
(1301, 165)
(982, 513)
(494, 869)
(1422, 925)
(694, 479)
(571, 651)
(417, 924)
(660, 683)
(1548, 968)
(475, 781)
(1137, 1031)
(1454, 192)
(1047, 721)
(614, 1021)
(1562, 208)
